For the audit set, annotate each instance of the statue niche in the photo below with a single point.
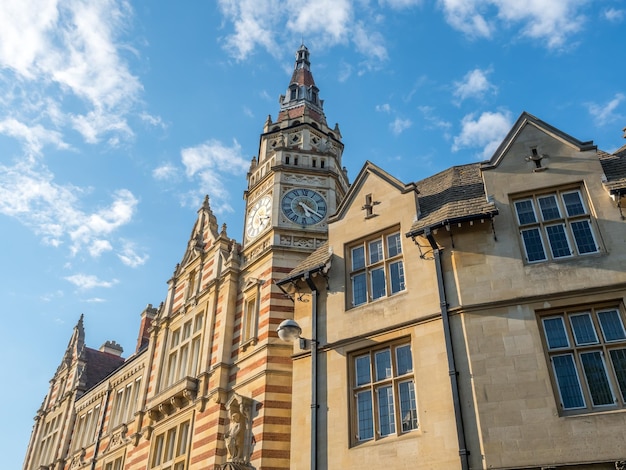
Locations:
(238, 438)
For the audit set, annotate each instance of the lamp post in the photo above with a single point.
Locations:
(289, 331)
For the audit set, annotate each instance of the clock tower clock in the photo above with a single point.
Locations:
(298, 179)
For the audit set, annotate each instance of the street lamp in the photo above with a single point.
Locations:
(290, 331)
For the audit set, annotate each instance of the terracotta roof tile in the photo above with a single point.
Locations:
(99, 365)
(453, 195)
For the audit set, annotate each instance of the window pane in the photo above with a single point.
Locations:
(598, 382)
(158, 450)
(555, 333)
(396, 272)
(376, 251)
(378, 282)
(363, 370)
(358, 258)
(359, 289)
(386, 415)
(573, 204)
(404, 361)
(611, 324)
(383, 364)
(393, 244)
(364, 416)
(169, 449)
(181, 448)
(584, 332)
(584, 237)
(558, 241)
(618, 358)
(408, 407)
(549, 207)
(533, 245)
(567, 381)
(525, 212)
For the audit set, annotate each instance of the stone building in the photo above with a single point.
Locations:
(474, 319)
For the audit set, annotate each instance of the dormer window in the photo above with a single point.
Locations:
(293, 94)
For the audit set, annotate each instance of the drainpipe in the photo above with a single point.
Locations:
(94, 460)
(460, 431)
(314, 406)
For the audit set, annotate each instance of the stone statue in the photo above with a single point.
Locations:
(238, 438)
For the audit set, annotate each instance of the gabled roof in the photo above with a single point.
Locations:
(98, 365)
(367, 169)
(454, 195)
(614, 166)
(528, 119)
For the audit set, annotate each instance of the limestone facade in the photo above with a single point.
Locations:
(473, 320)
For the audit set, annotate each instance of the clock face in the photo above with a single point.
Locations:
(304, 206)
(259, 216)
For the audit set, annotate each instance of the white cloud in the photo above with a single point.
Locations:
(486, 132)
(165, 172)
(33, 137)
(89, 281)
(326, 23)
(29, 194)
(551, 22)
(209, 163)
(433, 120)
(399, 125)
(129, 256)
(614, 15)
(71, 50)
(474, 84)
(605, 113)
(383, 108)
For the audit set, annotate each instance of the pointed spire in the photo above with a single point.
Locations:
(302, 95)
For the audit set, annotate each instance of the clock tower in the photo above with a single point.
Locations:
(298, 180)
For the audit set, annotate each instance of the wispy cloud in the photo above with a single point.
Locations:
(604, 114)
(552, 22)
(475, 84)
(399, 125)
(129, 255)
(29, 194)
(89, 281)
(614, 15)
(485, 132)
(383, 108)
(208, 164)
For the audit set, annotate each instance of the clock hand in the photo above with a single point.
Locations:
(309, 211)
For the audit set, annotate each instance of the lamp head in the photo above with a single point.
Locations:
(289, 330)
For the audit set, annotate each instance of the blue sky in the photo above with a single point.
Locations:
(116, 117)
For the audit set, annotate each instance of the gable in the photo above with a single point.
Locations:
(530, 133)
(382, 180)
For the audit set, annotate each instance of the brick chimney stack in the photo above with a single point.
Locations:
(146, 324)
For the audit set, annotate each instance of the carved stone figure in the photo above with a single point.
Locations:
(238, 438)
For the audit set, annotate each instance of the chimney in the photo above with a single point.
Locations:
(146, 325)
(111, 347)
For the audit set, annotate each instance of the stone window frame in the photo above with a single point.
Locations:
(49, 439)
(115, 461)
(551, 229)
(125, 402)
(182, 355)
(370, 420)
(86, 424)
(249, 332)
(170, 445)
(579, 346)
(364, 268)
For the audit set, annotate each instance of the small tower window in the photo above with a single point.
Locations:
(287, 160)
(294, 94)
(295, 160)
(314, 163)
(322, 163)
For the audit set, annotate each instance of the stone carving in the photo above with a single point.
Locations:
(238, 438)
